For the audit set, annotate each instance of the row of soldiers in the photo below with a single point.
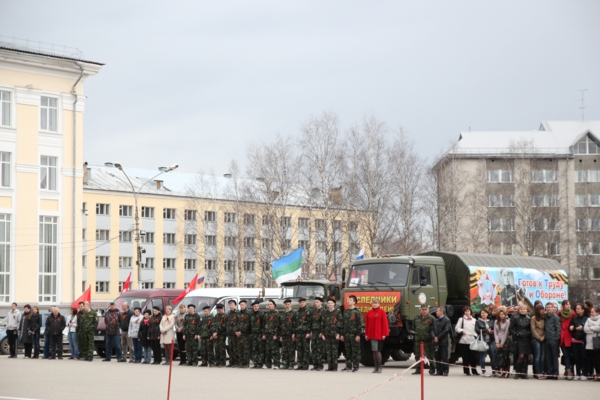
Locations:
(253, 334)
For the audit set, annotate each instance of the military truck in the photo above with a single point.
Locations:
(308, 289)
(453, 280)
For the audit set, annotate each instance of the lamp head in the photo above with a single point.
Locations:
(119, 166)
(172, 167)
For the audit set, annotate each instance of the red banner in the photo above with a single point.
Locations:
(191, 286)
(86, 296)
(127, 285)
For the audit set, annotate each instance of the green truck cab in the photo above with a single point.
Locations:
(308, 289)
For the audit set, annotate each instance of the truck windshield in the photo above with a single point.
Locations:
(389, 274)
(200, 302)
(133, 302)
(306, 291)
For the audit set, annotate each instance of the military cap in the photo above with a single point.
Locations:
(156, 308)
(206, 308)
(112, 304)
(272, 301)
(147, 312)
(242, 301)
(424, 306)
(332, 299)
(287, 301)
(192, 305)
(256, 302)
(319, 298)
(232, 301)
(220, 306)
(137, 308)
(301, 299)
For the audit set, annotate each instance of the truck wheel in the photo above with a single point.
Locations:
(366, 355)
(101, 352)
(399, 355)
(4, 347)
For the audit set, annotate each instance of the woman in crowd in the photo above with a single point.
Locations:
(72, 336)
(167, 334)
(25, 332)
(566, 314)
(538, 333)
(592, 329)
(502, 343)
(485, 328)
(589, 304)
(36, 323)
(376, 330)
(578, 342)
(179, 332)
(144, 337)
(133, 332)
(466, 328)
(154, 335)
(520, 329)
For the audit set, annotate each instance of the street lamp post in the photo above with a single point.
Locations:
(136, 226)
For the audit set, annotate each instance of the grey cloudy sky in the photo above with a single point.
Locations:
(195, 82)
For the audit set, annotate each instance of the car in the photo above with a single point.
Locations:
(5, 349)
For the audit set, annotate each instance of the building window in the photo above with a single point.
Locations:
(249, 265)
(210, 264)
(102, 209)
(125, 236)
(286, 244)
(591, 176)
(168, 285)
(49, 114)
(48, 173)
(125, 211)
(321, 269)
(5, 108)
(189, 215)
(303, 223)
(5, 258)
(168, 213)
(147, 285)
(595, 224)
(506, 249)
(102, 287)
(582, 249)
(249, 219)
(544, 176)
(230, 241)
(286, 222)
(586, 146)
(500, 176)
(354, 248)
(502, 225)
(595, 273)
(83, 234)
(210, 216)
(230, 217)
(305, 244)
(595, 248)
(84, 261)
(121, 284)
(190, 239)
(189, 263)
(168, 238)
(168, 263)
(249, 242)
(102, 234)
(554, 249)
(321, 245)
(229, 265)
(267, 220)
(125, 262)
(266, 244)
(337, 224)
(102, 261)
(581, 224)
(210, 240)
(337, 246)
(83, 286)
(149, 264)
(353, 226)
(320, 224)
(544, 200)
(147, 212)
(501, 200)
(148, 237)
(5, 171)
(587, 200)
(48, 259)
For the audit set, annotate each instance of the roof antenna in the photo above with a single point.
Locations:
(582, 108)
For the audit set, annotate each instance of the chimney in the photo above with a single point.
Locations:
(109, 164)
(159, 184)
(86, 173)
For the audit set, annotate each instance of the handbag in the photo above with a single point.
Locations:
(458, 335)
(479, 345)
(596, 342)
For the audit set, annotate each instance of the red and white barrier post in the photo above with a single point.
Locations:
(171, 368)
(422, 372)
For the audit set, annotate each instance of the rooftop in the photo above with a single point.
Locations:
(43, 49)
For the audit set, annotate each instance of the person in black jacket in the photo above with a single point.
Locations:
(578, 342)
(55, 324)
(154, 335)
(144, 337)
(520, 329)
(439, 334)
(25, 332)
(35, 324)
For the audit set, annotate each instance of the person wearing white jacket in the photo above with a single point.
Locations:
(134, 329)
(592, 330)
(466, 327)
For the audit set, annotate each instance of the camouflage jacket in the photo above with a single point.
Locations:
(205, 330)
(303, 321)
(191, 325)
(422, 328)
(87, 321)
(112, 319)
(243, 324)
(256, 322)
(318, 319)
(272, 322)
(352, 322)
(332, 323)
(219, 324)
(231, 322)
(287, 324)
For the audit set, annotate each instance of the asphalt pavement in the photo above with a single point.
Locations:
(28, 379)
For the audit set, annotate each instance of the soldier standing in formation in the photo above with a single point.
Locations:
(232, 339)
(256, 338)
(422, 326)
(317, 344)
(351, 331)
(303, 334)
(332, 328)
(243, 334)
(271, 336)
(191, 324)
(287, 336)
(81, 308)
(86, 324)
(206, 333)
(219, 335)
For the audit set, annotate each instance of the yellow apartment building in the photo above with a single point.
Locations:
(41, 148)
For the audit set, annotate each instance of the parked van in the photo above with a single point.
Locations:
(213, 296)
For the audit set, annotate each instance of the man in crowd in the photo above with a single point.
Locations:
(87, 323)
(207, 352)
(422, 325)
(243, 331)
(303, 330)
(220, 335)
(126, 343)
(552, 328)
(287, 336)
(112, 319)
(232, 339)
(352, 326)
(191, 324)
(317, 344)
(256, 340)
(12, 329)
(271, 336)
(332, 328)
(441, 329)
(81, 309)
(55, 324)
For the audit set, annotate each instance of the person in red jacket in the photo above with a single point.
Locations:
(566, 315)
(376, 330)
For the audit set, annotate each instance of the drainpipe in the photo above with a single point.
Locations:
(74, 93)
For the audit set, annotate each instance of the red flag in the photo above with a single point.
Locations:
(86, 296)
(127, 284)
(190, 287)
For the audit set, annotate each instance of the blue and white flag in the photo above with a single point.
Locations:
(361, 254)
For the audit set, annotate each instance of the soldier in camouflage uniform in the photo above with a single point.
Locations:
(87, 322)
(243, 333)
(303, 330)
(206, 345)
(256, 338)
(231, 324)
(352, 327)
(219, 335)
(271, 336)
(332, 328)
(422, 325)
(287, 335)
(191, 328)
(317, 344)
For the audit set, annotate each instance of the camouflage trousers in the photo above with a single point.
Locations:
(191, 351)
(352, 349)
(207, 351)
(428, 347)
(317, 348)
(232, 349)
(331, 351)
(288, 352)
(303, 350)
(220, 356)
(272, 352)
(258, 349)
(86, 345)
(243, 350)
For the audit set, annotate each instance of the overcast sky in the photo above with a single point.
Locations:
(195, 82)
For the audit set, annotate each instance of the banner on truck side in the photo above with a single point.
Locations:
(507, 286)
(365, 299)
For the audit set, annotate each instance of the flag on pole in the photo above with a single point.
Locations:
(200, 280)
(288, 268)
(361, 254)
(191, 286)
(86, 296)
(126, 285)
